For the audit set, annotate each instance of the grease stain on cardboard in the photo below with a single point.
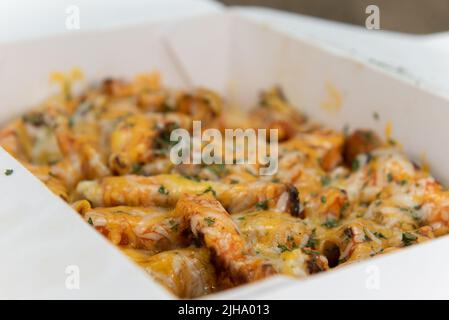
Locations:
(333, 100)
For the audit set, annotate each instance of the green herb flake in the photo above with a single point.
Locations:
(389, 177)
(211, 190)
(136, 168)
(283, 248)
(262, 205)
(162, 190)
(376, 116)
(192, 177)
(416, 216)
(210, 221)
(36, 119)
(312, 242)
(342, 260)
(344, 207)
(330, 223)
(355, 165)
(408, 238)
(71, 122)
(325, 181)
(51, 174)
(162, 142)
(89, 221)
(323, 199)
(173, 225)
(379, 235)
(9, 172)
(311, 252)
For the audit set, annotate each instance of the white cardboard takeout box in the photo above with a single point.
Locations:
(44, 243)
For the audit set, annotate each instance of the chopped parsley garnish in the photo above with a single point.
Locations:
(367, 236)
(162, 142)
(211, 190)
(71, 122)
(241, 218)
(416, 215)
(311, 252)
(408, 238)
(330, 223)
(313, 241)
(379, 235)
(250, 172)
(403, 182)
(292, 242)
(51, 174)
(89, 221)
(192, 177)
(376, 116)
(233, 181)
(36, 119)
(283, 248)
(323, 199)
(210, 221)
(325, 181)
(344, 207)
(136, 168)
(262, 205)
(84, 108)
(355, 165)
(173, 225)
(376, 253)
(343, 260)
(162, 190)
(9, 172)
(389, 177)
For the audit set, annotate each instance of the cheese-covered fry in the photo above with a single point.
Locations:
(210, 222)
(186, 272)
(160, 190)
(152, 229)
